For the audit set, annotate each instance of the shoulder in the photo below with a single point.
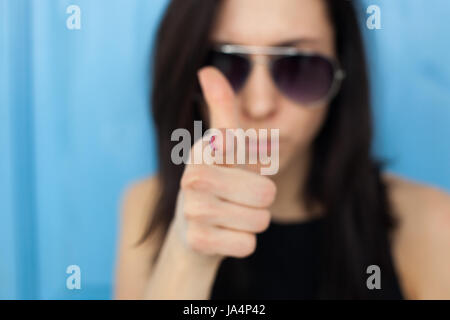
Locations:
(421, 243)
(133, 260)
(419, 201)
(141, 193)
(138, 201)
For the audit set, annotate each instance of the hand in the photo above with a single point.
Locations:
(220, 209)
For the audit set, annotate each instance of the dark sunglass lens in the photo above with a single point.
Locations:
(234, 67)
(304, 79)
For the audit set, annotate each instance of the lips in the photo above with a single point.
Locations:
(262, 146)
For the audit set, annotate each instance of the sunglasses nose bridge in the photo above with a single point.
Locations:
(260, 89)
(260, 60)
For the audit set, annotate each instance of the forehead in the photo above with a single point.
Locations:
(270, 22)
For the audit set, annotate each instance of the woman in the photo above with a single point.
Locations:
(327, 219)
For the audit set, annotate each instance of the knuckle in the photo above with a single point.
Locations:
(206, 205)
(199, 210)
(195, 177)
(198, 239)
(267, 192)
(191, 211)
(263, 220)
(247, 246)
(189, 175)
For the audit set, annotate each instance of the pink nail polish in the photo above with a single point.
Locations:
(211, 143)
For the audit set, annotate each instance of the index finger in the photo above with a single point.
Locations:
(220, 98)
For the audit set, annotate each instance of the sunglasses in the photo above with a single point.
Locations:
(304, 77)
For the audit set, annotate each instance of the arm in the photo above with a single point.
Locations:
(434, 252)
(180, 273)
(133, 263)
(422, 242)
(177, 273)
(218, 212)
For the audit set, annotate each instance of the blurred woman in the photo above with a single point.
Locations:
(330, 224)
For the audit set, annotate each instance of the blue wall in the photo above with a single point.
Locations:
(75, 126)
(75, 130)
(410, 64)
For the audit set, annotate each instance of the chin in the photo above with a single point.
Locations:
(271, 169)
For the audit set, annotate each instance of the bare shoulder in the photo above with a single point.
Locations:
(138, 202)
(134, 256)
(140, 197)
(421, 243)
(415, 200)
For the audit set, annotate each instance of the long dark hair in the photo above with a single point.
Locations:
(343, 177)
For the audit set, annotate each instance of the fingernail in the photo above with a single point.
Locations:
(211, 143)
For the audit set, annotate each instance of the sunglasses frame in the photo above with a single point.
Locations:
(280, 53)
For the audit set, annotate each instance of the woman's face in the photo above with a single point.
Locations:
(260, 104)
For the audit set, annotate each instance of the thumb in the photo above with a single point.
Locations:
(220, 98)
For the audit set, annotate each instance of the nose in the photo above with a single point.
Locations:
(259, 93)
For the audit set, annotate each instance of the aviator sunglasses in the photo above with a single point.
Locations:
(302, 76)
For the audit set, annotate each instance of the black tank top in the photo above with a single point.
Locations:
(285, 265)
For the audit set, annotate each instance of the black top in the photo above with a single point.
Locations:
(285, 265)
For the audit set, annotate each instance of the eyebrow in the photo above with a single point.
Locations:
(294, 42)
(284, 43)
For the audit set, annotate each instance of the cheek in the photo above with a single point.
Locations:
(303, 124)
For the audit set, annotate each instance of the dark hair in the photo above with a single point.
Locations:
(343, 177)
